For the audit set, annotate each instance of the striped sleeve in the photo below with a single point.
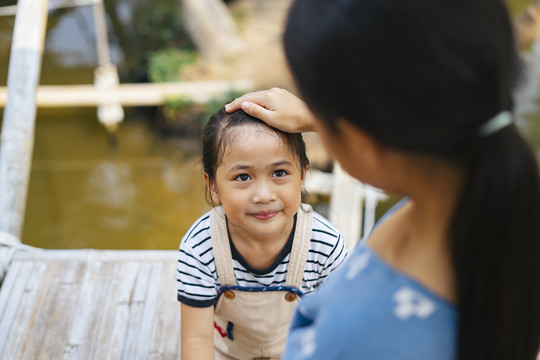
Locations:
(196, 272)
(326, 253)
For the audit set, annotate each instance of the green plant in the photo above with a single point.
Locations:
(165, 65)
(174, 106)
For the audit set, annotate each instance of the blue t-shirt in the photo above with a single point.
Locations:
(369, 310)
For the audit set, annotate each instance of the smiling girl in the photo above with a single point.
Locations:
(243, 266)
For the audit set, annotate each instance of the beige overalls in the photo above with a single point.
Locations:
(253, 323)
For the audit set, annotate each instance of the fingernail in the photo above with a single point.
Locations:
(226, 106)
(245, 106)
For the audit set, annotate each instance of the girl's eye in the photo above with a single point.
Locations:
(242, 177)
(280, 173)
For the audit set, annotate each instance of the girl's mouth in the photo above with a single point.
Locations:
(264, 215)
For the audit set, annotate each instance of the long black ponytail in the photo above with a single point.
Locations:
(423, 76)
(495, 247)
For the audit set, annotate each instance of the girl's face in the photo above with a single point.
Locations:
(258, 183)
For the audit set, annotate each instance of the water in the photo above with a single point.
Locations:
(145, 191)
(84, 192)
(139, 190)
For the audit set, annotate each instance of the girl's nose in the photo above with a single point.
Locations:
(264, 192)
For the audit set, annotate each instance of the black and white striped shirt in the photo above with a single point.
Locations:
(197, 277)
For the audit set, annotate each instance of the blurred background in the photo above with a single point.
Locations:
(140, 185)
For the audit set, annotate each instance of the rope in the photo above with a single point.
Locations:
(10, 240)
(9, 245)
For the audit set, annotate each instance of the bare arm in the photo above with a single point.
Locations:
(197, 332)
(276, 107)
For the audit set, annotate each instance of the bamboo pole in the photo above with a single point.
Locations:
(144, 94)
(17, 137)
(346, 204)
(109, 112)
(102, 40)
(10, 10)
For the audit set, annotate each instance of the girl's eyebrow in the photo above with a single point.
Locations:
(240, 167)
(282, 163)
(244, 167)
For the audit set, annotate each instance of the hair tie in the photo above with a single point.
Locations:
(496, 123)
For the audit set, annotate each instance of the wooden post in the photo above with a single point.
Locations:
(212, 29)
(346, 205)
(110, 113)
(102, 42)
(17, 137)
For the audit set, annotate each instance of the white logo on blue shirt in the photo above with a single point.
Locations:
(357, 264)
(308, 343)
(411, 303)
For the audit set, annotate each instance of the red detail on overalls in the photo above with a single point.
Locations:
(220, 330)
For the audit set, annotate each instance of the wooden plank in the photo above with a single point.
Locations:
(134, 255)
(28, 307)
(37, 319)
(150, 312)
(97, 314)
(120, 273)
(12, 309)
(77, 344)
(41, 320)
(122, 313)
(144, 94)
(98, 255)
(7, 285)
(136, 311)
(83, 308)
(165, 342)
(62, 310)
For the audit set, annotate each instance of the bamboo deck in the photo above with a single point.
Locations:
(90, 304)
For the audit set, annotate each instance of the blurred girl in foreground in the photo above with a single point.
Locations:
(415, 97)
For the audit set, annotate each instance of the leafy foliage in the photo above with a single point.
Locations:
(165, 65)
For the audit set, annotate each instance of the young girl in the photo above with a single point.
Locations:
(415, 97)
(243, 266)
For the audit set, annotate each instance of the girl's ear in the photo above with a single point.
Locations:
(212, 188)
(358, 153)
(303, 174)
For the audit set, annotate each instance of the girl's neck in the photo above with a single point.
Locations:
(260, 250)
(415, 240)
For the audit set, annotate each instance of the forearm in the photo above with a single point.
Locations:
(197, 333)
(197, 349)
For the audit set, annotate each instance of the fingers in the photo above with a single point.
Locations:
(259, 112)
(276, 107)
(257, 97)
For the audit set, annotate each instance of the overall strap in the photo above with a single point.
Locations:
(300, 247)
(222, 248)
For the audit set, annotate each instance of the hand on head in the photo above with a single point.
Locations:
(276, 107)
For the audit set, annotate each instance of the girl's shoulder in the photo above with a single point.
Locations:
(327, 244)
(396, 315)
(322, 225)
(367, 267)
(199, 231)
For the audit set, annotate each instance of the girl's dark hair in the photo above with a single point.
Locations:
(422, 76)
(217, 135)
